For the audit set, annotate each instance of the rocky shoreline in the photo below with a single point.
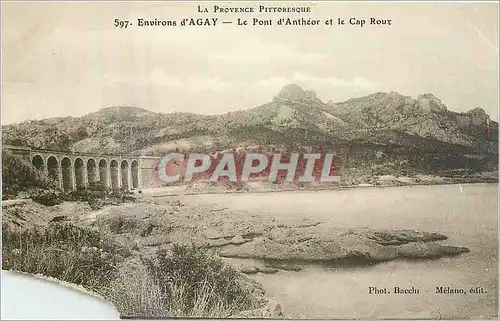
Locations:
(347, 181)
(153, 223)
(252, 243)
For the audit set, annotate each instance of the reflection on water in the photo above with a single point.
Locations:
(468, 217)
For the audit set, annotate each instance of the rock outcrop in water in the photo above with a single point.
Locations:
(359, 246)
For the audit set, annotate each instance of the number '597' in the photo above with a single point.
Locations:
(122, 23)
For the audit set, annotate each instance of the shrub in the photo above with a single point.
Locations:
(98, 187)
(193, 282)
(47, 197)
(136, 293)
(121, 224)
(238, 186)
(186, 282)
(95, 196)
(69, 253)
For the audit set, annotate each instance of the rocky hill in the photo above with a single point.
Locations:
(380, 129)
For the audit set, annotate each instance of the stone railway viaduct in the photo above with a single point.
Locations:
(71, 170)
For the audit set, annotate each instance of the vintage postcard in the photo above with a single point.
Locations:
(291, 160)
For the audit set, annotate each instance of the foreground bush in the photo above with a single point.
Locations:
(63, 251)
(192, 277)
(184, 282)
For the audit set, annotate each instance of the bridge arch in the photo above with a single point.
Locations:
(134, 168)
(53, 169)
(103, 173)
(67, 174)
(39, 165)
(124, 174)
(115, 173)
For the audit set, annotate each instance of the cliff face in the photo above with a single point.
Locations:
(378, 128)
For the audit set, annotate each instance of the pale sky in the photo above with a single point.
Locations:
(67, 59)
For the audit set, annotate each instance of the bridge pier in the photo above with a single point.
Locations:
(44, 172)
(85, 178)
(108, 176)
(97, 176)
(68, 177)
(91, 172)
(129, 178)
(119, 178)
(73, 177)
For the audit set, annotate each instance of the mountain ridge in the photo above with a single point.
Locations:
(295, 120)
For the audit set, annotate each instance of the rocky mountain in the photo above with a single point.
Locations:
(385, 128)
